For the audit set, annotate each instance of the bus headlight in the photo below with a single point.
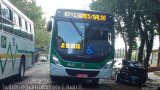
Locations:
(56, 61)
(109, 64)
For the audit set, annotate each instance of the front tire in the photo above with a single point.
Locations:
(21, 71)
(95, 82)
(56, 80)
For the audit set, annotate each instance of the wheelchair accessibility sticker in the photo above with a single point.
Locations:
(90, 50)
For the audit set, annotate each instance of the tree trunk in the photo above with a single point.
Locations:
(142, 36)
(125, 49)
(159, 42)
(158, 64)
(141, 48)
(129, 54)
(125, 43)
(148, 53)
(149, 44)
(131, 32)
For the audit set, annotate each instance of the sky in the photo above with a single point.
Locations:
(50, 6)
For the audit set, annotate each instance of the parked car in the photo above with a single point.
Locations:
(131, 72)
(43, 58)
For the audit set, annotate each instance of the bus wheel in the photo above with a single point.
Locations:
(95, 82)
(21, 71)
(56, 80)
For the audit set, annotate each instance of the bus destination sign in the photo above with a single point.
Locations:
(87, 16)
(83, 15)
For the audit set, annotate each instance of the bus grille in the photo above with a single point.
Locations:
(75, 72)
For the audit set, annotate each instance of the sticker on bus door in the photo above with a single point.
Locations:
(90, 50)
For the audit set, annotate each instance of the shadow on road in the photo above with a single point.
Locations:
(9, 81)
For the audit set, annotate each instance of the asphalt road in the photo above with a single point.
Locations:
(38, 78)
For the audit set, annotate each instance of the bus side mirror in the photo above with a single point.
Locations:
(49, 26)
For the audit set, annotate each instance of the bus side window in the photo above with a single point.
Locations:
(32, 32)
(0, 17)
(30, 28)
(23, 24)
(7, 19)
(10, 15)
(29, 32)
(15, 19)
(26, 26)
(5, 12)
(17, 30)
(20, 22)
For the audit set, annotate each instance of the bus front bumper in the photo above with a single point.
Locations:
(61, 71)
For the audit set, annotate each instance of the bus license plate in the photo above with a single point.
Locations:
(82, 75)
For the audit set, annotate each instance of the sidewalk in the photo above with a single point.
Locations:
(153, 78)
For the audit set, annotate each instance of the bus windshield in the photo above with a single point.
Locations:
(85, 40)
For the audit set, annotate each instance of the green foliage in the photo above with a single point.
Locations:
(35, 13)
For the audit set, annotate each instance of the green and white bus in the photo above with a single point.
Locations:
(82, 45)
(16, 41)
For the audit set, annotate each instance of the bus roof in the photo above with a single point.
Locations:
(12, 7)
(81, 10)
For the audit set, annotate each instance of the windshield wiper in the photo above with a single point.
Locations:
(77, 29)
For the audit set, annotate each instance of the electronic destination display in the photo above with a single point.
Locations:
(83, 15)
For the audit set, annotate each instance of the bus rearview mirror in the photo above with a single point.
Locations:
(49, 26)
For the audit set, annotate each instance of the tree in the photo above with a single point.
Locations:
(157, 16)
(35, 13)
(147, 22)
